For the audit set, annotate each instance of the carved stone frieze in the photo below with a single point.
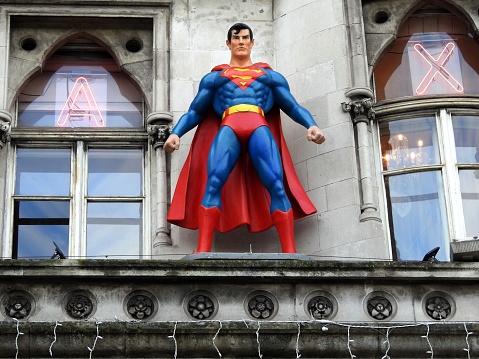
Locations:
(140, 307)
(261, 307)
(18, 307)
(438, 308)
(320, 307)
(379, 307)
(79, 306)
(201, 307)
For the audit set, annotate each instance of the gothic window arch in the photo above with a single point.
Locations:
(78, 144)
(427, 121)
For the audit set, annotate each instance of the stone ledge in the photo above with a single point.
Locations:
(250, 270)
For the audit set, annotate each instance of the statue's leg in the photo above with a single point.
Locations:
(266, 159)
(222, 157)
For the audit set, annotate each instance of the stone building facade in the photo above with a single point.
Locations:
(90, 266)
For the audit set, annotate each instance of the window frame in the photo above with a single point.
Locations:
(78, 142)
(443, 108)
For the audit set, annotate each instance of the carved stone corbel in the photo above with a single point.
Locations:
(5, 126)
(362, 113)
(158, 134)
(361, 110)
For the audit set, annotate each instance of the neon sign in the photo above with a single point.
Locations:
(435, 69)
(81, 106)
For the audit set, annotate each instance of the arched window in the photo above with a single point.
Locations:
(81, 85)
(435, 53)
(79, 148)
(427, 87)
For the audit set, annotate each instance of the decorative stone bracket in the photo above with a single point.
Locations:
(362, 112)
(158, 134)
(5, 125)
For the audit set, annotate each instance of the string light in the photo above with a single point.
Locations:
(250, 324)
(54, 337)
(467, 342)
(431, 351)
(257, 340)
(349, 343)
(388, 345)
(174, 339)
(297, 341)
(96, 339)
(16, 338)
(214, 338)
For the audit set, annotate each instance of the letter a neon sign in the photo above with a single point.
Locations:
(81, 106)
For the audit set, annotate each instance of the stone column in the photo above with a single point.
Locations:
(362, 112)
(158, 122)
(158, 131)
(360, 108)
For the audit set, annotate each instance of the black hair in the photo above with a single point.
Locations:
(237, 28)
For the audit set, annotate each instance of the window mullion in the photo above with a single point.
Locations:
(451, 177)
(78, 206)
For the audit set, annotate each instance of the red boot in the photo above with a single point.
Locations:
(284, 222)
(207, 220)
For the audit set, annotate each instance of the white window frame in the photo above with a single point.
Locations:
(78, 199)
(448, 166)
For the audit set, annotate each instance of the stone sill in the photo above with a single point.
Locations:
(251, 271)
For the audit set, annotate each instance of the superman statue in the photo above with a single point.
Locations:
(239, 170)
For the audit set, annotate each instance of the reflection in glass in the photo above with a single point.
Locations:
(466, 137)
(114, 230)
(409, 143)
(115, 172)
(417, 215)
(469, 181)
(37, 224)
(42, 171)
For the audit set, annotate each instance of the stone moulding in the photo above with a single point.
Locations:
(235, 339)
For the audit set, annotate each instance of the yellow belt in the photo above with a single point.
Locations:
(242, 108)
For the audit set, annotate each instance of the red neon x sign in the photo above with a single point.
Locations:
(435, 68)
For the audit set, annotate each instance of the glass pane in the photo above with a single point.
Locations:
(42, 171)
(114, 230)
(115, 172)
(466, 137)
(440, 60)
(417, 215)
(409, 143)
(37, 225)
(469, 180)
(70, 92)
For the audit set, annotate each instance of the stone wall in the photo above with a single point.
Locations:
(199, 308)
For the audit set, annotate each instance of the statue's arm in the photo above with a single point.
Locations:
(198, 108)
(287, 103)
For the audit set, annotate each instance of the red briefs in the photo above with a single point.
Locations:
(244, 124)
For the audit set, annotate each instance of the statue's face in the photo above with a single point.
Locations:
(240, 44)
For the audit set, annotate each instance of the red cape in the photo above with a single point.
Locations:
(244, 199)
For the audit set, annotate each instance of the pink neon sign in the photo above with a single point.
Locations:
(435, 69)
(81, 106)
